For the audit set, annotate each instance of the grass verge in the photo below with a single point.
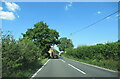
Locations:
(29, 71)
(39, 66)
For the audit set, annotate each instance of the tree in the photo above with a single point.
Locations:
(10, 56)
(42, 36)
(64, 44)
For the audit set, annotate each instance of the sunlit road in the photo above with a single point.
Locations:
(70, 68)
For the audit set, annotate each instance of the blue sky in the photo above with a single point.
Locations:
(66, 18)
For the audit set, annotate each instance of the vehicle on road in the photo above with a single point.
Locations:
(56, 56)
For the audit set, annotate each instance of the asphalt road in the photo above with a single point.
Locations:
(70, 68)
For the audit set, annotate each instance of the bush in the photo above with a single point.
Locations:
(19, 56)
(105, 55)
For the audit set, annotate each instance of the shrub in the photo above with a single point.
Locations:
(106, 55)
(18, 56)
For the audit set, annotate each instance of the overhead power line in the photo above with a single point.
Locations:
(96, 22)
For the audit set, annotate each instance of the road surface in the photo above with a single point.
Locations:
(70, 68)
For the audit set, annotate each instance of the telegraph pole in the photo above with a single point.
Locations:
(71, 37)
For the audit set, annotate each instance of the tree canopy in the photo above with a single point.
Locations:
(42, 36)
(64, 44)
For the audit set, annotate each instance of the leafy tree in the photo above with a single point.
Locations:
(42, 36)
(18, 56)
(10, 56)
(29, 52)
(64, 44)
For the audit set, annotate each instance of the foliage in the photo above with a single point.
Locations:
(64, 44)
(22, 57)
(56, 52)
(42, 36)
(106, 55)
(18, 56)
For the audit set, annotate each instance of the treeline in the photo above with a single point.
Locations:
(22, 57)
(104, 55)
(19, 57)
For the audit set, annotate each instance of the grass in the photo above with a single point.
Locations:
(30, 71)
(109, 64)
(39, 66)
(44, 60)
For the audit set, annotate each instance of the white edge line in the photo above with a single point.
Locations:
(63, 60)
(95, 66)
(39, 70)
(77, 69)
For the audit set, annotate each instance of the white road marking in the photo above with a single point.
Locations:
(63, 60)
(77, 69)
(96, 66)
(39, 70)
(46, 62)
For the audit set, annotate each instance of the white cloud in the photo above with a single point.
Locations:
(3, 0)
(1, 8)
(12, 6)
(11, 14)
(99, 12)
(7, 15)
(68, 6)
(18, 16)
(99, 42)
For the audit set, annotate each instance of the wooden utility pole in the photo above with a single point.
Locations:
(71, 37)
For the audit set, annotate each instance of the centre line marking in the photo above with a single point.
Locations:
(77, 69)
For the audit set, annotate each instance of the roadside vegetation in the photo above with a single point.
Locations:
(64, 44)
(103, 55)
(22, 57)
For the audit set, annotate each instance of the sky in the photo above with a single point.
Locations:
(65, 18)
